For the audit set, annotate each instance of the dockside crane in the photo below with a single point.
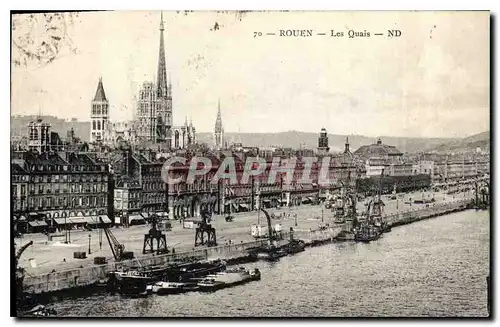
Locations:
(273, 236)
(20, 273)
(205, 228)
(117, 248)
(155, 234)
(21, 250)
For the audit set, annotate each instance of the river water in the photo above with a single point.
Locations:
(436, 267)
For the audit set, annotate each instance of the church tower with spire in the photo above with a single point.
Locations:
(219, 130)
(154, 118)
(163, 94)
(99, 117)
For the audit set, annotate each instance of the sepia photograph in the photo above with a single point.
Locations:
(250, 164)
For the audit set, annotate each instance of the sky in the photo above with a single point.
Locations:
(432, 81)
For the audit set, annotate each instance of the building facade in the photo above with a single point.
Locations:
(19, 189)
(64, 185)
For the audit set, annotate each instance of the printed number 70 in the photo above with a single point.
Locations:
(255, 34)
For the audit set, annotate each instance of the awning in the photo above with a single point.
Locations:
(60, 221)
(37, 223)
(95, 220)
(266, 201)
(243, 205)
(79, 220)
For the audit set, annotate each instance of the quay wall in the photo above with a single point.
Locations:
(433, 210)
(90, 275)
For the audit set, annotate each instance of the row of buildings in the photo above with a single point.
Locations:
(128, 185)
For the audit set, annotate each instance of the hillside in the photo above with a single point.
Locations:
(294, 139)
(290, 139)
(471, 143)
(19, 126)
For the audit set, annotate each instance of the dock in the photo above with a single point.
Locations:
(90, 275)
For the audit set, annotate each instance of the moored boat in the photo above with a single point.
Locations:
(210, 285)
(367, 234)
(294, 246)
(230, 278)
(130, 282)
(165, 288)
(136, 281)
(40, 311)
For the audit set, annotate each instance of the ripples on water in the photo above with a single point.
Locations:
(436, 267)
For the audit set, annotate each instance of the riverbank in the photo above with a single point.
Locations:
(73, 280)
(48, 256)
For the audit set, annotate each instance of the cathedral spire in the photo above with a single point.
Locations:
(219, 131)
(99, 94)
(218, 121)
(161, 83)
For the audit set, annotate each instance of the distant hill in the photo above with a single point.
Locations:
(290, 139)
(471, 143)
(19, 126)
(294, 139)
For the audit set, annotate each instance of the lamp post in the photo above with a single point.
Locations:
(89, 243)
(65, 230)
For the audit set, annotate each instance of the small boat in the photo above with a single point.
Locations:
(367, 234)
(40, 311)
(210, 285)
(230, 278)
(238, 277)
(268, 253)
(294, 246)
(165, 288)
(130, 282)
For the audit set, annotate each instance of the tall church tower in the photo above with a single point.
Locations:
(219, 130)
(163, 95)
(323, 147)
(99, 117)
